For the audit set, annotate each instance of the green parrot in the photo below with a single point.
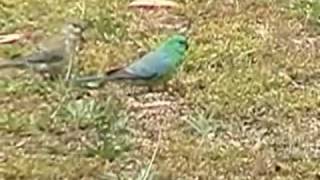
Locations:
(153, 68)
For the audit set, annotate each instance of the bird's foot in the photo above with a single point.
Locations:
(47, 76)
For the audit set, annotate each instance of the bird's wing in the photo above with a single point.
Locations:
(50, 50)
(152, 65)
(52, 43)
(43, 57)
(124, 74)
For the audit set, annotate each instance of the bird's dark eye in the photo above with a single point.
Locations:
(76, 26)
(182, 42)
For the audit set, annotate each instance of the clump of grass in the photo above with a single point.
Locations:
(11, 123)
(107, 120)
(110, 25)
(310, 9)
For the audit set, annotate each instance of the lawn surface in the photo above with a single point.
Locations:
(246, 107)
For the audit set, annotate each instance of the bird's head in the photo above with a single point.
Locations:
(74, 28)
(177, 44)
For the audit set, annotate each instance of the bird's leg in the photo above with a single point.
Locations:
(133, 92)
(150, 89)
(166, 87)
(49, 76)
(44, 76)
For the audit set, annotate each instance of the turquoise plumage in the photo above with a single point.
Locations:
(156, 66)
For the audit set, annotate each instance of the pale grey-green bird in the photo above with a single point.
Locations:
(155, 67)
(51, 56)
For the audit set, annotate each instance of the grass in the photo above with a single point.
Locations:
(249, 107)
